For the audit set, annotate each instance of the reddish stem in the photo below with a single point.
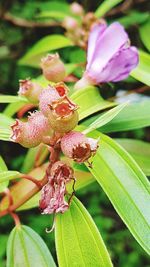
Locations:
(24, 109)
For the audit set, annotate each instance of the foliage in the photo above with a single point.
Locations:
(116, 184)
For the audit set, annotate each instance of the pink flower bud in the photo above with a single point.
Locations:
(77, 146)
(30, 134)
(70, 23)
(31, 90)
(76, 9)
(52, 194)
(53, 68)
(63, 116)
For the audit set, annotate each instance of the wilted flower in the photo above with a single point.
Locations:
(53, 68)
(110, 58)
(53, 193)
(77, 146)
(31, 133)
(31, 90)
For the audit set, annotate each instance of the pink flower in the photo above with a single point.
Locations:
(110, 58)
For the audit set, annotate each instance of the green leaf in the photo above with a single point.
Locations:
(133, 18)
(8, 175)
(3, 168)
(89, 101)
(78, 241)
(58, 15)
(141, 72)
(126, 186)
(145, 33)
(139, 150)
(26, 248)
(106, 6)
(12, 99)
(12, 108)
(5, 130)
(134, 116)
(46, 44)
(105, 118)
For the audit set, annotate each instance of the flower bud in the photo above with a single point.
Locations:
(63, 116)
(70, 23)
(78, 147)
(53, 68)
(30, 134)
(31, 90)
(76, 9)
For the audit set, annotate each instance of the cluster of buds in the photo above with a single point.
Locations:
(79, 24)
(53, 124)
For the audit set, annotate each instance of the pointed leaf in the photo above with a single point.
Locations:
(12, 99)
(78, 241)
(145, 33)
(126, 186)
(105, 7)
(139, 150)
(141, 72)
(46, 44)
(27, 249)
(105, 118)
(89, 101)
(3, 168)
(8, 175)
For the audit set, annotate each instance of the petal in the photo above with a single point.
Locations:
(120, 66)
(107, 46)
(95, 33)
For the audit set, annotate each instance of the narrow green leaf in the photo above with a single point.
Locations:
(3, 168)
(139, 150)
(12, 108)
(133, 18)
(5, 130)
(8, 175)
(106, 6)
(142, 71)
(78, 241)
(55, 14)
(89, 101)
(46, 44)
(134, 116)
(26, 248)
(126, 186)
(105, 118)
(145, 33)
(12, 99)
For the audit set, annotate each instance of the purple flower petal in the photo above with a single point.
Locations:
(119, 67)
(95, 33)
(112, 39)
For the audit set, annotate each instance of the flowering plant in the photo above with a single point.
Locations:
(62, 119)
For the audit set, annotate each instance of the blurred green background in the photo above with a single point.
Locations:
(15, 40)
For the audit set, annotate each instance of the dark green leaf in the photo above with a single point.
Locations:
(145, 33)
